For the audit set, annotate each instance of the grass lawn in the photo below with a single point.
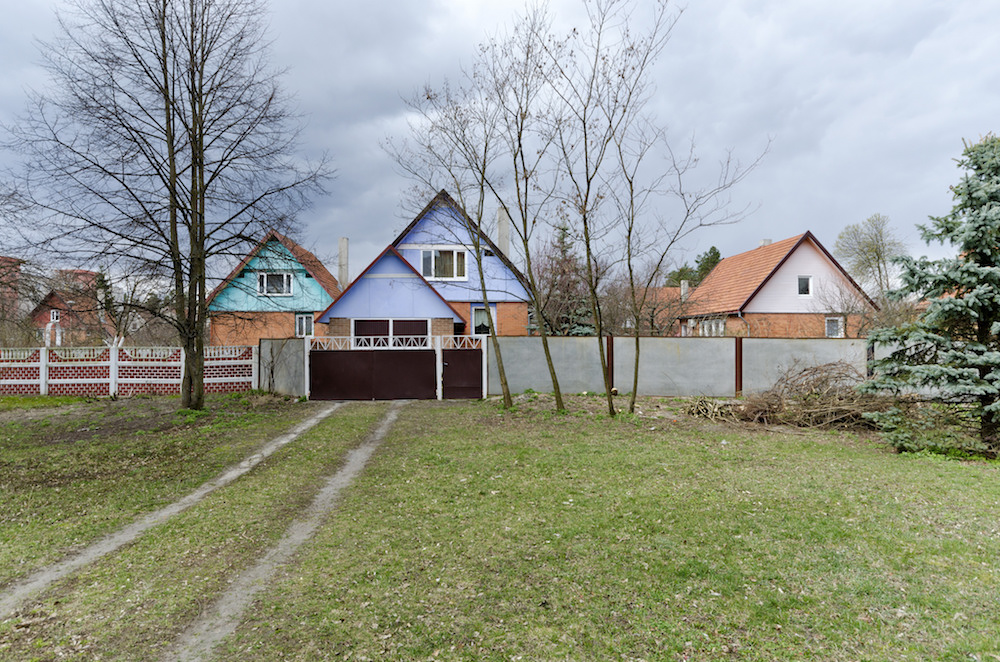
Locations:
(74, 470)
(132, 604)
(476, 535)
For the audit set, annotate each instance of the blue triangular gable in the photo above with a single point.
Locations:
(389, 289)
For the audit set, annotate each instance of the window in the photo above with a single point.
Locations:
(274, 284)
(805, 286)
(712, 328)
(303, 325)
(54, 316)
(443, 264)
(481, 322)
(390, 334)
(834, 327)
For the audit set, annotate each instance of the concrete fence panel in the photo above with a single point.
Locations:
(577, 364)
(283, 366)
(677, 366)
(765, 360)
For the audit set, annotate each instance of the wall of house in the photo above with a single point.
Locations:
(390, 289)
(788, 325)
(780, 293)
(242, 329)
(511, 318)
(443, 228)
(242, 294)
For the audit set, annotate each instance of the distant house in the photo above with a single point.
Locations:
(427, 282)
(70, 313)
(791, 288)
(275, 292)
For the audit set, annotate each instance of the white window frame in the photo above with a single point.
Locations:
(54, 316)
(809, 285)
(305, 318)
(840, 326)
(712, 328)
(432, 253)
(286, 280)
(472, 320)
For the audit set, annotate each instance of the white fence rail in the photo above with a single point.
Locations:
(105, 371)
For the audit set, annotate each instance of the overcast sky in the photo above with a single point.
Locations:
(866, 102)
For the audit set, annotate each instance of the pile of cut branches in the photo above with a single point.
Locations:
(817, 396)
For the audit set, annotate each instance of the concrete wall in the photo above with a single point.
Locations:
(765, 360)
(677, 366)
(282, 366)
(577, 364)
(668, 366)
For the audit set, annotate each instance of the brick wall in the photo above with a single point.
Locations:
(88, 371)
(231, 329)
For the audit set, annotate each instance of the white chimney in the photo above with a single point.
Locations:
(764, 242)
(343, 277)
(684, 290)
(503, 230)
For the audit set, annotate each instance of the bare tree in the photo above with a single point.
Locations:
(163, 142)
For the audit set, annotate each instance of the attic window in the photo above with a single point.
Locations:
(443, 264)
(274, 284)
(805, 286)
(53, 315)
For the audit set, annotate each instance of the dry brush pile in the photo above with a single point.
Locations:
(818, 396)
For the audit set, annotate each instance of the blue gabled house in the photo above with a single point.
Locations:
(428, 279)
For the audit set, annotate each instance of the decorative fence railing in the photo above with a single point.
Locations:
(396, 342)
(102, 371)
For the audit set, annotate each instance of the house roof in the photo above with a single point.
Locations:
(736, 280)
(389, 250)
(309, 262)
(443, 199)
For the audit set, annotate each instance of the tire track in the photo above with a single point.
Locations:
(15, 595)
(221, 619)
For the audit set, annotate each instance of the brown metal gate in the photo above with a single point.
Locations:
(462, 373)
(340, 371)
(372, 375)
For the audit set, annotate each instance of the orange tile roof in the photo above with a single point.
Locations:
(734, 280)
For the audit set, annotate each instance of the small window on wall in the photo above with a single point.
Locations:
(805, 286)
(274, 284)
(480, 322)
(303, 325)
(712, 328)
(443, 264)
(834, 327)
(53, 315)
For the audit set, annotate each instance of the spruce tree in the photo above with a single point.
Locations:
(952, 352)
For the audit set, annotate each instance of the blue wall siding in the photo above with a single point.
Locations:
(389, 289)
(241, 293)
(443, 227)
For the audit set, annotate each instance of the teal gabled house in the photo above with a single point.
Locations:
(275, 292)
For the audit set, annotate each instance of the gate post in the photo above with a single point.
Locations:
(483, 348)
(113, 369)
(43, 370)
(439, 366)
(306, 349)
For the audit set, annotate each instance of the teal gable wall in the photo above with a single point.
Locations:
(241, 295)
